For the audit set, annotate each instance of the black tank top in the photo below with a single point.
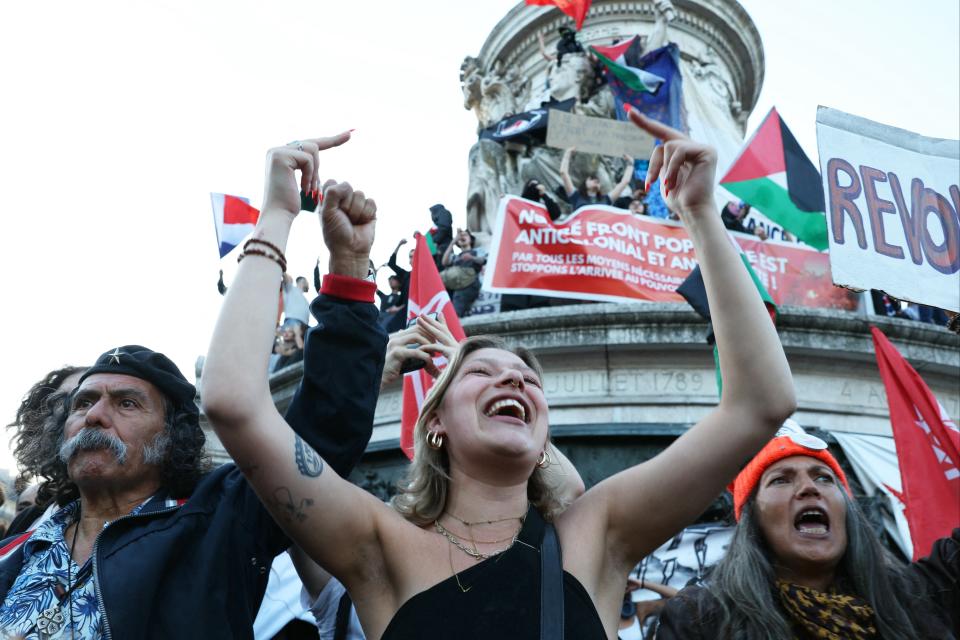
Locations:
(502, 600)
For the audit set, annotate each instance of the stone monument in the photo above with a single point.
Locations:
(721, 62)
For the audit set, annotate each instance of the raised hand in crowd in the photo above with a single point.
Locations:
(282, 189)
(424, 340)
(283, 468)
(349, 224)
(624, 180)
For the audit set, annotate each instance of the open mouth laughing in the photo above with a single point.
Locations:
(508, 407)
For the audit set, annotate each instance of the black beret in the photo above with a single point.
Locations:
(155, 368)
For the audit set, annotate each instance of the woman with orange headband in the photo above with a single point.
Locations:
(804, 563)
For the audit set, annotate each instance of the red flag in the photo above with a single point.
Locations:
(427, 295)
(576, 9)
(928, 449)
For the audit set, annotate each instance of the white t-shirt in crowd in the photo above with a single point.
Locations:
(325, 607)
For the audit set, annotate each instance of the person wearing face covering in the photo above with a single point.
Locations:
(805, 564)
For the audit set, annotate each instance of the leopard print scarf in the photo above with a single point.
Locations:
(831, 616)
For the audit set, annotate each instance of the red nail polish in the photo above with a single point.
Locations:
(626, 108)
(319, 197)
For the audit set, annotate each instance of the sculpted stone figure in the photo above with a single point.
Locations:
(572, 79)
(492, 95)
(492, 173)
(666, 13)
(708, 72)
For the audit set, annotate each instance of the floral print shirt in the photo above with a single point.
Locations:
(47, 570)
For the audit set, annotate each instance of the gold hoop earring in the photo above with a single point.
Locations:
(435, 440)
(544, 460)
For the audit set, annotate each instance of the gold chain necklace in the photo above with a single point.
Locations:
(470, 524)
(473, 553)
(475, 541)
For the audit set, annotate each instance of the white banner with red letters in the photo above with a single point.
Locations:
(606, 254)
(893, 208)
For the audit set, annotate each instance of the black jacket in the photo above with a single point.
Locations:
(200, 570)
(694, 613)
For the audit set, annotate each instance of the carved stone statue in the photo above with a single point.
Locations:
(493, 95)
(572, 79)
(492, 173)
(600, 104)
(706, 69)
(666, 13)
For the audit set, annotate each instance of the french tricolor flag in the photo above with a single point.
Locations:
(234, 219)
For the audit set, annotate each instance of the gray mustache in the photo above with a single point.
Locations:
(89, 439)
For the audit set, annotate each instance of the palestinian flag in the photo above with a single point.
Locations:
(617, 59)
(431, 245)
(576, 9)
(774, 175)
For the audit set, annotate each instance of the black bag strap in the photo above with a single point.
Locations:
(551, 586)
(342, 621)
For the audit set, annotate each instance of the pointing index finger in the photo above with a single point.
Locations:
(331, 141)
(654, 128)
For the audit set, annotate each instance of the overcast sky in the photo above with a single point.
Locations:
(120, 117)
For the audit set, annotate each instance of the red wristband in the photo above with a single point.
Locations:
(348, 288)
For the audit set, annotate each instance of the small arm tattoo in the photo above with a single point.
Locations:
(286, 508)
(308, 462)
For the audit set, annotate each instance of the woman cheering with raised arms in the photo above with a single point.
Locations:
(458, 554)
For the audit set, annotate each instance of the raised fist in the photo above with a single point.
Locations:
(349, 220)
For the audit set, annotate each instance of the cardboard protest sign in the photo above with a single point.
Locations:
(606, 254)
(597, 135)
(892, 209)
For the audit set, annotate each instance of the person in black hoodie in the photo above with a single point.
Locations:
(442, 231)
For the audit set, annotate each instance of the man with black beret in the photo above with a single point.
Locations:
(149, 542)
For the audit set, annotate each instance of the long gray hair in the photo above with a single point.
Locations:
(743, 584)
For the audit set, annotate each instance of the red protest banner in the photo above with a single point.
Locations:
(607, 254)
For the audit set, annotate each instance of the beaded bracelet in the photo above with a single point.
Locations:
(267, 244)
(257, 252)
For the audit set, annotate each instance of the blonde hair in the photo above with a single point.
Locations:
(422, 493)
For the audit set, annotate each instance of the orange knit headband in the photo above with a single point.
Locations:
(791, 440)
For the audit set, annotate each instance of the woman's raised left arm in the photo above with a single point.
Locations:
(640, 508)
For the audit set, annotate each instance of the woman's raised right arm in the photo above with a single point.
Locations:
(322, 512)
